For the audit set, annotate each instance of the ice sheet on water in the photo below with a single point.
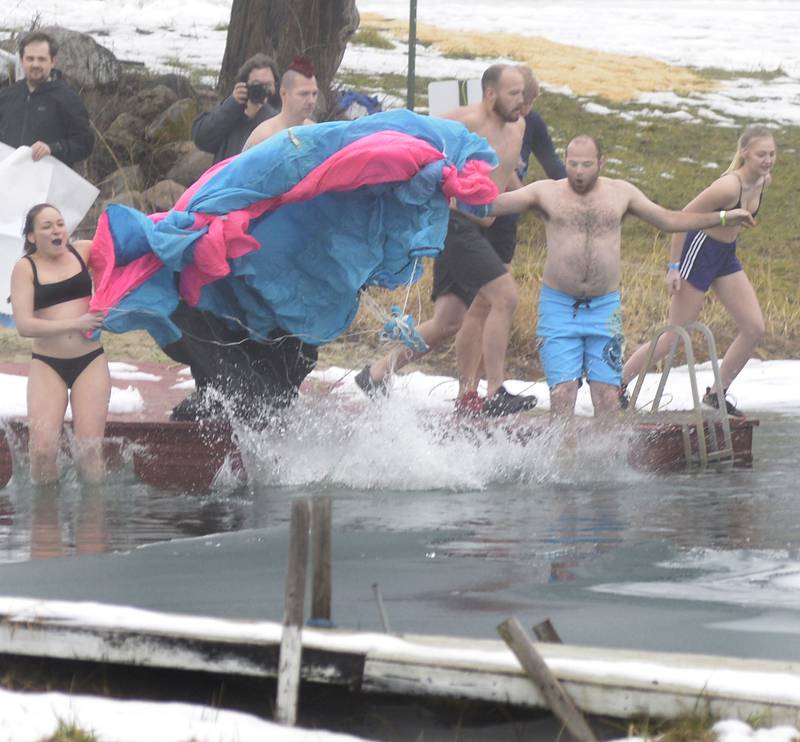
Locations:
(761, 579)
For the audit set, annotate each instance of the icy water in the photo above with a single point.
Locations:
(463, 535)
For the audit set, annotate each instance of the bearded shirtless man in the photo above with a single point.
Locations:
(469, 270)
(580, 320)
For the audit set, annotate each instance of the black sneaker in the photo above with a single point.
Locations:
(371, 388)
(710, 398)
(197, 406)
(503, 403)
(624, 399)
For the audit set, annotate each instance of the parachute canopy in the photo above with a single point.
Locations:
(285, 235)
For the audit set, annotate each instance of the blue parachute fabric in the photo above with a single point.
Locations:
(316, 255)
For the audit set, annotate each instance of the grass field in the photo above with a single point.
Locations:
(668, 160)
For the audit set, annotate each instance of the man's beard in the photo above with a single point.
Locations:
(509, 116)
(587, 186)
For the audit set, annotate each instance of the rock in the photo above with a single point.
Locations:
(134, 199)
(121, 144)
(150, 103)
(165, 157)
(174, 124)
(126, 130)
(129, 178)
(179, 84)
(8, 67)
(190, 167)
(83, 61)
(163, 195)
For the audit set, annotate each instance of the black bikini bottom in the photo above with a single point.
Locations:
(69, 369)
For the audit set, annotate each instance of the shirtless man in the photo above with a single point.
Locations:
(580, 321)
(298, 98)
(469, 271)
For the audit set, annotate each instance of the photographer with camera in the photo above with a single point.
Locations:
(224, 129)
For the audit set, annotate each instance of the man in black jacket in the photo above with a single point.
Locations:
(42, 111)
(224, 129)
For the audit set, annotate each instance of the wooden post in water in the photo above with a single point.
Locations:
(554, 695)
(546, 632)
(291, 650)
(320, 562)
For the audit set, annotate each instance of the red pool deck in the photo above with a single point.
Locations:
(187, 455)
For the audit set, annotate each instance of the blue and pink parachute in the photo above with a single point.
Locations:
(288, 233)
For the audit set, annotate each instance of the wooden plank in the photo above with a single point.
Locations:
(6, 460)
(291, 639)
(546, 632)
(320, 562)
(558, 700)
(605, 681)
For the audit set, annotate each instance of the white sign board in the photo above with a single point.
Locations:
(27, 183)
(445, 95)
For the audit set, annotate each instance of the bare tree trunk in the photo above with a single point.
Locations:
(319, 29)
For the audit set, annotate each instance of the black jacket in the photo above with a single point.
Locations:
(224, 129)
(53, 113)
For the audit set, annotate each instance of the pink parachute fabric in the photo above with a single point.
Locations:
(382, 157)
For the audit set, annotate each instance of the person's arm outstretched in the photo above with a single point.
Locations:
(682, 221)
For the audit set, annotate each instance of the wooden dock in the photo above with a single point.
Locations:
(609, 682)
(188, 455)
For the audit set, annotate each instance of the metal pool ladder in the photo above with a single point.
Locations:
(705, 419)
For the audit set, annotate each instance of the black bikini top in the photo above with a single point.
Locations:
(75, 287)
(741, 188)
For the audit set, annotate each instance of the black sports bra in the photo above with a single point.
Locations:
(741, 188)
(75, 287)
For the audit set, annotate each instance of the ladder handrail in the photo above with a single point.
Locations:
(682, 334)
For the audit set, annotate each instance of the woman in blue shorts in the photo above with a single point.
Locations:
(707, 259)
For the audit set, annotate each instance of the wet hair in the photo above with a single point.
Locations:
(257, 62)
(585, 138)
(530, 91)
(748, 136)
(30, 223)
(34, 37)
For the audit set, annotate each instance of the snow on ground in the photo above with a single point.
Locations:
(32, 717)
(13, 390)
(684, 32)
(762, 386)
(759, 37)
(680, 32)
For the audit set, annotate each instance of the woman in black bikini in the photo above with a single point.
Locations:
(50, 301)
(707, 259)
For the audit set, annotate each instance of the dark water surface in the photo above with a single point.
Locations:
(692, 562)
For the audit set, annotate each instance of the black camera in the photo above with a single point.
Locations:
(256, 92)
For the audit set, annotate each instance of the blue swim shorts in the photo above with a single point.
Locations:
(703, 259)
(580, 337)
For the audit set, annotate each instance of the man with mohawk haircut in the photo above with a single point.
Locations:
(298, 97)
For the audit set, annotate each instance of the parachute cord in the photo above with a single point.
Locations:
(410, 283)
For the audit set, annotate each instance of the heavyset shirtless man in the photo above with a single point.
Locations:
(580, 321)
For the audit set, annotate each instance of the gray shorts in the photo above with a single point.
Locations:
(468, 261)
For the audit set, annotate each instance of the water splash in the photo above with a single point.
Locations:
(405, 445)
